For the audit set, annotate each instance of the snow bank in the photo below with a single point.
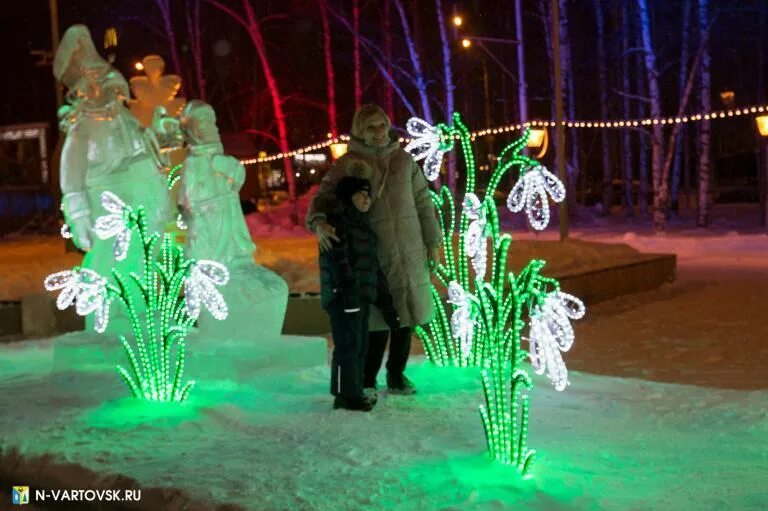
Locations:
(268, 438)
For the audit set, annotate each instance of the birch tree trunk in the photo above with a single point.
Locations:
(762, 155)
(327, 51)
(603, 78)
(385, 68)
(663, 189)
(546, 18)
(448, 83)
(566, 74)
(165, 12)
(679, 142)
(421, 84)
(649, 58)
(253, 27)
(389, 101)
(522, 86)
(705, 91)
(642, 140)
(356, 53)
(626, 135)
(195, 43)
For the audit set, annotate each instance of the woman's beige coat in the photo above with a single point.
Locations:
(403, 217)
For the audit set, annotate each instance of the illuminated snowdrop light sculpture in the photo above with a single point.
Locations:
(476, 238)
(551, 332)
(463, 318)
(114, 225)
(488, 305)
(530, 192)
(200, 287)
(428, 144)
(86, 289)
(160, 324)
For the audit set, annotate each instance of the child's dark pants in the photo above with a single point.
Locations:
(350, 343)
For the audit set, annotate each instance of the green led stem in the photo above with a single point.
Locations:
(157, 354)
(503, 301)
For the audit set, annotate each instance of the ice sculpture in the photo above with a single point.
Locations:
(154, 90)
(210, 204)
(105, 149)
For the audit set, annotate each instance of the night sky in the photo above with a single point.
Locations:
(292, 30)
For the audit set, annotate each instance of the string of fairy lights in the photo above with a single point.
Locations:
(611, 124)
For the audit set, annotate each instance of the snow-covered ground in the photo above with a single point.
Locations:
(267, 438)
(668, 406)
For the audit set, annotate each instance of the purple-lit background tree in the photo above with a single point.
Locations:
(289, 72)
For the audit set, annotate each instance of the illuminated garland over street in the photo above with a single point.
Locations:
(160, 325)
(602, 124)
(487, 311)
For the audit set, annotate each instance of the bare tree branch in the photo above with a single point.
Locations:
(235, 16)
(644, 99)
(371, 49)
(264, 134)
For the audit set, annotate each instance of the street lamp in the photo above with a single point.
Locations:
(727, 96)
(762, 127)
(467, 42)
(338, 150)
(538, 139)
(457, 21)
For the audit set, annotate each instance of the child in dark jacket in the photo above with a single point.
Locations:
(351, 280)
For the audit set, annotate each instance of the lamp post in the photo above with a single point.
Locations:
(559, 127)
(53, 9)
(468, 42)
(762, 127)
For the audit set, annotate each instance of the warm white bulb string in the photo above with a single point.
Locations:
(573, 124)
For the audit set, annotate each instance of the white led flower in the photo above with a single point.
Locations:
(425, 146)
(114, 224)
(462, 320)
(530, 192)
(200, 289)
(84, 287)
(102, 314)
(94, 298)
(475, 239)
(551, 332)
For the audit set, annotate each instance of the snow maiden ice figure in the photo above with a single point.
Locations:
(104, 150)
(208, 196)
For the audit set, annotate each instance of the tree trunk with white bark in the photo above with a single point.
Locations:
(676, 169)
(603, 87)
(654, 95)
(421, 83)
(328, 54)
(448, 84)
(253, 27)
(705, 105)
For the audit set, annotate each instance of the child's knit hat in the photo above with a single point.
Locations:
(350, 185)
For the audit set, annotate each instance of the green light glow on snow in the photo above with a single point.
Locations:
(157, 353)
(160, 323)
(481, 322)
